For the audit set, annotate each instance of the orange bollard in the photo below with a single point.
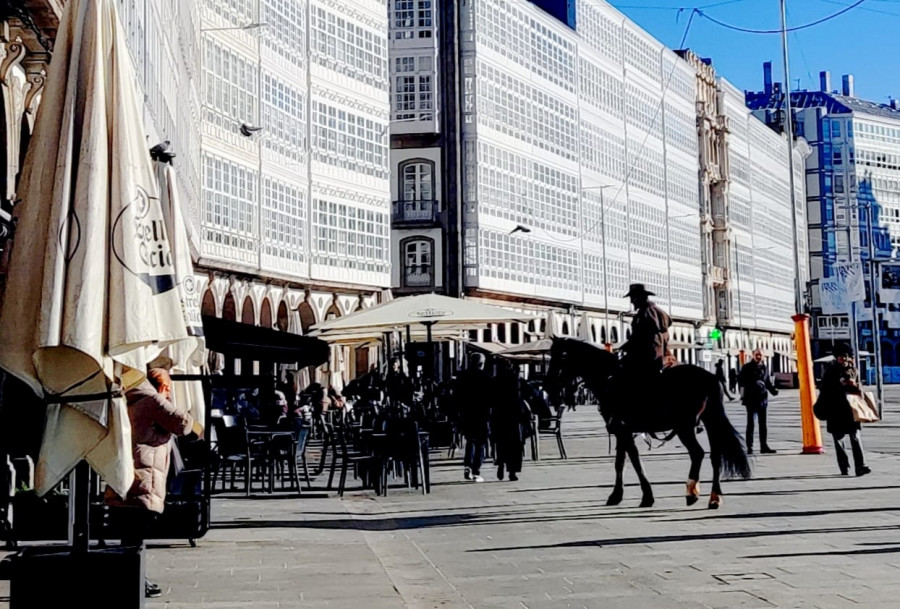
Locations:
(812, 434)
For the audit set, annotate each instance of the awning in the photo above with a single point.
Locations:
(263, 344)
(489, 348)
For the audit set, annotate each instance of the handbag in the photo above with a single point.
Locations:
(863, 407)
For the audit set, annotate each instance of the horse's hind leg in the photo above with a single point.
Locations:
(689, 439)
(715, 498)
(618, 492)
(635, 456)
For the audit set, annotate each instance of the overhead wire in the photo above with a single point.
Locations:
(778, 31)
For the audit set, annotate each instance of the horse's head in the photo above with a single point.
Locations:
(563, 372)
(572, 361)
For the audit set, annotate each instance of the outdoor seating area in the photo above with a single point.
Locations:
(374, 447)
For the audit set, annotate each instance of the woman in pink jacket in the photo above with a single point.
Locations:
(154, 420)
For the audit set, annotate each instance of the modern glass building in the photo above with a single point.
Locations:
(855, 165)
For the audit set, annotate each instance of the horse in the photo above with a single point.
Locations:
(688, 395)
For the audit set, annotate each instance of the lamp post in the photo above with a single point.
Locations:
(812, 435)
(601, 188)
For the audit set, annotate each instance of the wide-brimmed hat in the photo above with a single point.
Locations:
(636, 289)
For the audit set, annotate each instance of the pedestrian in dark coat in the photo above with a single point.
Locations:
(473, 395)
(756, 384)
(720, 376)
(732, 380)
(510, 423)
(839, 380)
(397, 385)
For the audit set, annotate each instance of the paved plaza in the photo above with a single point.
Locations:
(796, 536)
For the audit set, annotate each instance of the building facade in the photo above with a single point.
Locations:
(854, 169)
(746, 223)
(561, 164)
(558, 166)
(278, 115)
(294, 207)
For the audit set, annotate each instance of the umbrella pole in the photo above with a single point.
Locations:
(79, 507)
(430, 368)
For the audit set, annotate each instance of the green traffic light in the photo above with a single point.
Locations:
(715, 334)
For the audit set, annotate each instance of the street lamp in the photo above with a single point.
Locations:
(249, 26)
(601, 188)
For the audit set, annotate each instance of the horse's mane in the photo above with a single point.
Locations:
(588, 350)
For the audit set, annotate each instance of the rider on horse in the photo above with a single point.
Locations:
(645, 351)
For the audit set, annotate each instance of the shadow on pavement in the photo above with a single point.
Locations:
(623, 541)
(894, 550)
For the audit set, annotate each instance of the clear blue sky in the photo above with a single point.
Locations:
(862, 42)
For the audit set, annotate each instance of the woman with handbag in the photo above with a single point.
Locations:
(840, 384)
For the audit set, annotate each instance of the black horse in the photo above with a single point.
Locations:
(685, 396)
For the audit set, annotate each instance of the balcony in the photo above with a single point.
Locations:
(415, 213)
(418, 277)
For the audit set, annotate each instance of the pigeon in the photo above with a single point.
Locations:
(160, 152)
(248, 130)
(520, 229)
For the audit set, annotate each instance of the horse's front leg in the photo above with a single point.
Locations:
(635, 456)
(618, 492)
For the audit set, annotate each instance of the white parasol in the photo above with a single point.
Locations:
(91, 296)
(188, 356)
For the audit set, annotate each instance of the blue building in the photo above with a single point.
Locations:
(854, 166)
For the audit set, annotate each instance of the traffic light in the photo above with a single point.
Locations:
(715, 334)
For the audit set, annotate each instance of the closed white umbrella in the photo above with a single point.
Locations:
(188, 356)
(91, 296)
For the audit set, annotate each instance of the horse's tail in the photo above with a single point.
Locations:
(723, 437)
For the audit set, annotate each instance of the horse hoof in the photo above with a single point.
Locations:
(614, 499)
(715, 500)
(693, 492)
(647, 502)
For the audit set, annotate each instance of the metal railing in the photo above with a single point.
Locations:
(423, 212)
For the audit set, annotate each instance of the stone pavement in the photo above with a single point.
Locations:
(796, 536)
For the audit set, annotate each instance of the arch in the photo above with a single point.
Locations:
(229, 308)
(208, 306)
(603, 335)
(565, 328)
(248, 316)
(501, 333)
(283, 319)
(265, 313)
(307, 316)
(593, 333)
(416, 180)
(543, 325)
(515, 333)
(614, 335)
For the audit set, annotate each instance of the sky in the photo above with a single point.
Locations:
(862, 42)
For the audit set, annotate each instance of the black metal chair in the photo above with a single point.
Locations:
(548, 427)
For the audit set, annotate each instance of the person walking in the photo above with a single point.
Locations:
(755, 381)
(720, 376)
(154, 421)
(510, 423)
(473, 396)
(732, 380)
(840, 380)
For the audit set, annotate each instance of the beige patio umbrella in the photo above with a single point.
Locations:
(188, 356)
(432, 311)
(91, 296)
(429, 310)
